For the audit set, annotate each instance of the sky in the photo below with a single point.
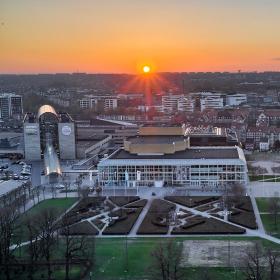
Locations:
(120, 36)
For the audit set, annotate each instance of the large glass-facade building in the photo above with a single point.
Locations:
(196, 166)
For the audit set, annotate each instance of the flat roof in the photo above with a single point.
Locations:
(192, 153)
(164, 139)
(7, 186)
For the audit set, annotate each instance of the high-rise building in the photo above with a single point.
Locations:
(10, 106)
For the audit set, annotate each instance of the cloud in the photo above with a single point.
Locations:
(276, 58)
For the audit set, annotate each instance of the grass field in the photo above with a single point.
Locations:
(268, 219)
(112, 260)
(262, 203)
(59, 205)
(269, 224)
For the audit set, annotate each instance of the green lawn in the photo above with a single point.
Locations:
(111, 259)
(262, 203)
(60, 205)
(268, 219)
(269, 224)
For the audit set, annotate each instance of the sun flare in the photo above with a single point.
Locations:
(146, 69)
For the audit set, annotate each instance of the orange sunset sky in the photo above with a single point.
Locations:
(120, 36)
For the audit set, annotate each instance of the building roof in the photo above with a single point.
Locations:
(46, 109)
(192, 153)
(162, 139)
(52, 164)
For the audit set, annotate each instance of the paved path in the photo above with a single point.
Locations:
(140, 218)
(263, 189)
(257, 215)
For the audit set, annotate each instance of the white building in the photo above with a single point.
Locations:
(210, 100)
(236, 99)
(170, 102)
(92, 102)
(264, 144)
(168, 160)
(185, 104)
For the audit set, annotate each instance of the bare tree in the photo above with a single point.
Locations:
(274, 208)
(254, 269)
(47, 240)
(236, 192)
(33, 248)
(166, 261)
(84, 191)
(8, 217)
(74, 247)
(273, 258)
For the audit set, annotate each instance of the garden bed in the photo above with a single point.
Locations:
(82, 228)
(137, 204)
(209, 226)
(245, 204)
(191, 201)
(125, 222)
(246, 219)
(159, 210)
(123, 200)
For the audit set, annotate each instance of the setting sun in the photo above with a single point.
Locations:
(146, 69)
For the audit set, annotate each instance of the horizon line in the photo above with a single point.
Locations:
(134, 74)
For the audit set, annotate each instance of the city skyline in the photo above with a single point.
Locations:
(123, 36)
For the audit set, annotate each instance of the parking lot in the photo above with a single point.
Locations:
(14, 170)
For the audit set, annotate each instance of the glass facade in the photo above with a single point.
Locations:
(172, 175)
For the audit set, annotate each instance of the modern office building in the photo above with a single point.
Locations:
(163, 156)
(186, 104)
(94, 102)
(10, 106)
(170, 102)
(210, 100)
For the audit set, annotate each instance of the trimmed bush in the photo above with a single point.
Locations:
(210, 226)
(83, 228)
(124, 224)
(123, 200)
(245, 204)
(246, 219)
(137, 204)
(191, 201)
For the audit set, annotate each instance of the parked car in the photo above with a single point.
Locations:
(25, 172)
